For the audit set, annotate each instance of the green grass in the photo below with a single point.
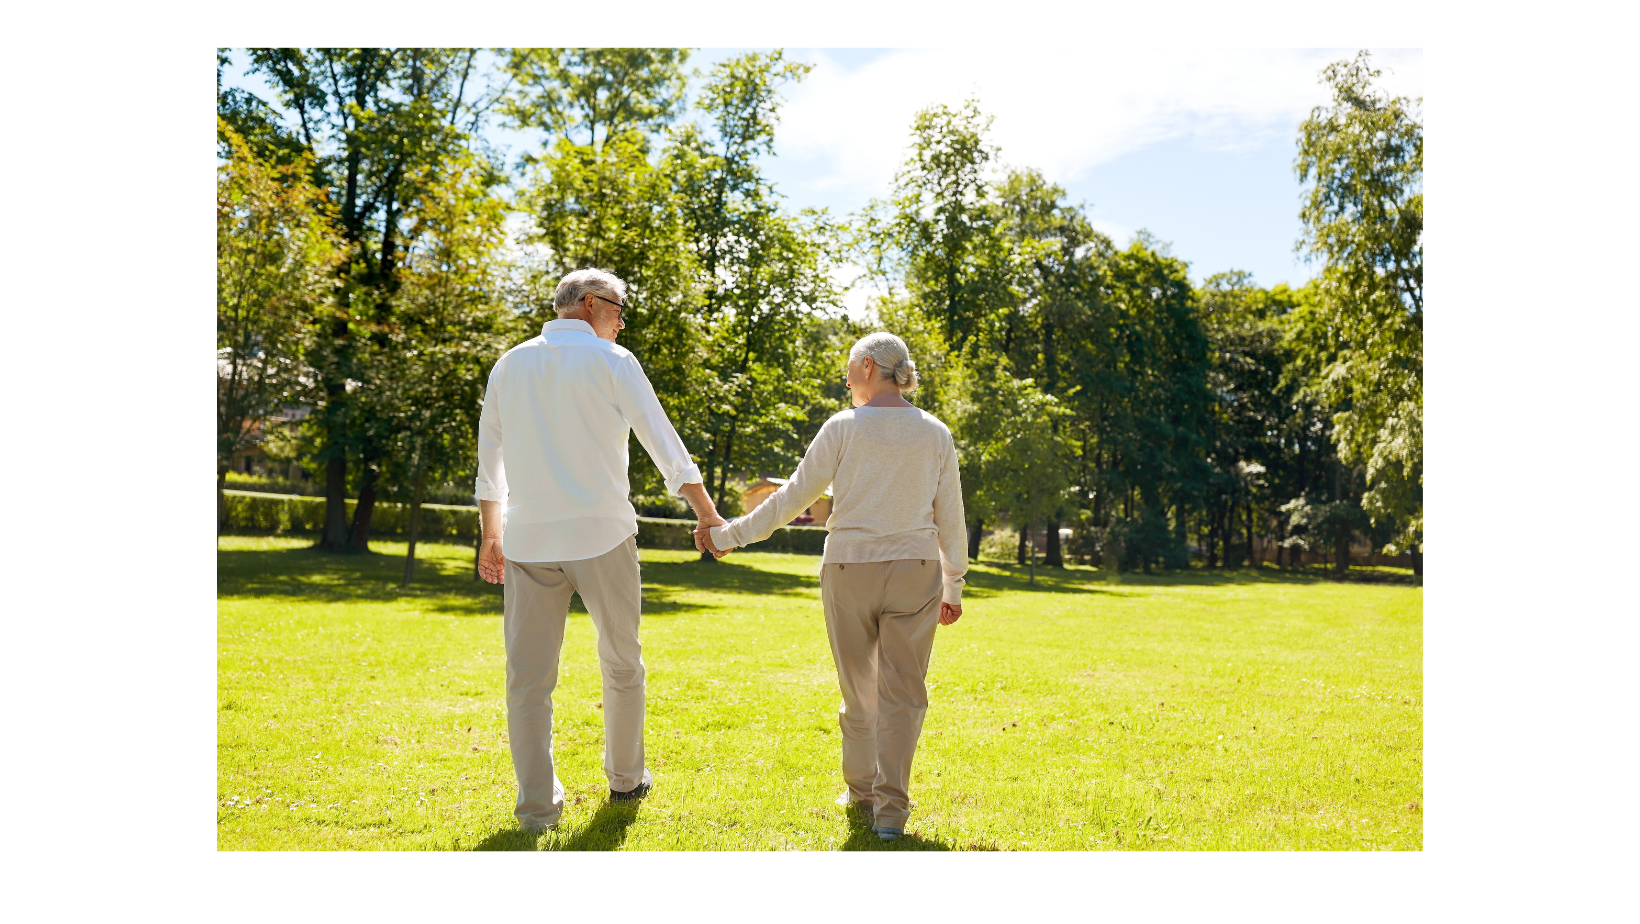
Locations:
(1251, 710)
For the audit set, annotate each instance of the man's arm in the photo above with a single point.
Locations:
(643, 412)
(490, 486)
(706, 514)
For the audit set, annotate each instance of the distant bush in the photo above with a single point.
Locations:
(680, 534)
(459, 495)
(268, 484)
(661, 506)
(1002, 545)
(286, 513)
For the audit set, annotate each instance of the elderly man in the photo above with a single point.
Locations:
(552, 447)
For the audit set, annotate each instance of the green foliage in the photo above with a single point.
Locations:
(999, 546)
(276, 251)
(281, 514)
(763, 276)
(1361, 344)
(1087, 384)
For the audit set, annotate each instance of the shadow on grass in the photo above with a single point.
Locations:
(986, 578)
(446, 585)
(861, 837)
(605, 831)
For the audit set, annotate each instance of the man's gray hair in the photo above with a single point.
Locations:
(575, 287)
(891, 356)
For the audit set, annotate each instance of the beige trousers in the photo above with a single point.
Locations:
(881, 618)
(537, 604)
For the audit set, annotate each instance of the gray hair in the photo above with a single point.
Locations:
(891, 356)
(575, 287)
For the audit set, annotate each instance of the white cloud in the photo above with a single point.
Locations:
(844, 130)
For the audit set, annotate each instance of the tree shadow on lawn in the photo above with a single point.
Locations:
(446, 585)
(443, 585)
(985, 578)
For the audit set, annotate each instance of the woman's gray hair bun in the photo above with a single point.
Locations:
(891, 357)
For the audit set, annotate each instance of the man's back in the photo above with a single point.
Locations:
(553, 446)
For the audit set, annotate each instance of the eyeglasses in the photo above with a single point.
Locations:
(618, 305)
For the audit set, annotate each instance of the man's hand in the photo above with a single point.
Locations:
(492, 565)
(706, 516)
(950, 613)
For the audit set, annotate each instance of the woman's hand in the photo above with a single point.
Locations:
(950, 613)
(703, 542)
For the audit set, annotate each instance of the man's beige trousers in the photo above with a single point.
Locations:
(537, 604)
(881, 618)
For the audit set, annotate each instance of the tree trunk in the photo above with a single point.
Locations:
(1417, 565)
(1213, 537)
(415, 522)
(975, 533)
(1024, 537)
(1252, 558)
(1341, 557)
(221, 499)
(359, 540)
(1053, 558)
(1033, 557)
(335, 535)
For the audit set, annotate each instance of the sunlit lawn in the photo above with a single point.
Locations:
(1248, 710)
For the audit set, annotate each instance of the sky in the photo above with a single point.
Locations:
(1194, 145)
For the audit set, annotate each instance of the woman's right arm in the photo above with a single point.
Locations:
(808, 484)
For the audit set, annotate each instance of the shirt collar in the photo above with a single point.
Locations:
(566, 324)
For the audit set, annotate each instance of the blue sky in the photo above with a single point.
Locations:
(1194, 145)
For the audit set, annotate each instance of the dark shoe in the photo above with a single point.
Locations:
(638, 792)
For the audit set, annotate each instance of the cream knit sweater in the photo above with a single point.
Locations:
(895, 493)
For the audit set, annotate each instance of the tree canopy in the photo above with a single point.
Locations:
(375, 258)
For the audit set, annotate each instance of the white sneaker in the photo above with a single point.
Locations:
(845, 800)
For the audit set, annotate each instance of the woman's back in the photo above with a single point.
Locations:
(887, 474)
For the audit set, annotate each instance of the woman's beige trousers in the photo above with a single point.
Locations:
(881, 618)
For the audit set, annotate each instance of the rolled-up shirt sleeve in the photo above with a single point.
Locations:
(950, 523)
(644, 414)
(491, 483)
(807, 485)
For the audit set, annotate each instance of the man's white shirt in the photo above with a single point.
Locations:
(552, 443)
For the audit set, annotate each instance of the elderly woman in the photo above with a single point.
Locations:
(895, 557)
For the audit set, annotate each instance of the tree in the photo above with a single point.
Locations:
(944, 224)
(1007, 437)
(374, 120)
(451, 324)
(1362, 157)
(763, 275)
(598, 196)
(276, 254)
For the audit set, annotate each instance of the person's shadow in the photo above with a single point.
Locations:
(861, 837)
(608, 828)
(606, 831)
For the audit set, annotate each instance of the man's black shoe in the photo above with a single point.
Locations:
(638, 792)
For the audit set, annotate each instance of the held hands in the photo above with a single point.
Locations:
(950, 613)
(492, 566)
(703, 538)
